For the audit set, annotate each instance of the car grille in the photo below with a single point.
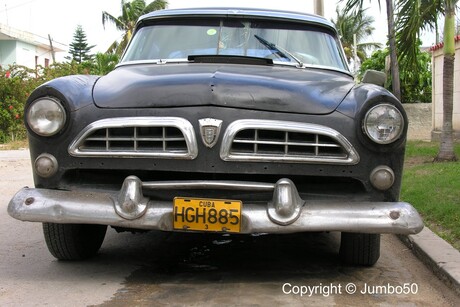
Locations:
(249, 140)
(166, 137)
(282, 141)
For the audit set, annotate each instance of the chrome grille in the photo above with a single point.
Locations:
(167, 137)
(283, 141)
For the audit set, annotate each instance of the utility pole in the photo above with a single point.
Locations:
(319, 7)
(52, 48)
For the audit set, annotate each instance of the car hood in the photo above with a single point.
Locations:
(255, 87)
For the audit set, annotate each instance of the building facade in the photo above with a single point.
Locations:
(25, 48)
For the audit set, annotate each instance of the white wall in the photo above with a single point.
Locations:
(7, 52)
(22, 53)
(25, 54)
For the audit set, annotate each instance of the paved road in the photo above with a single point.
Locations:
(158, 269)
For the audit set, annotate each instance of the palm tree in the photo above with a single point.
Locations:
(417, 15)
(130, 13)
(355, 6)
(348, 26)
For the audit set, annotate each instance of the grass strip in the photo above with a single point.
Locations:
(433, 189)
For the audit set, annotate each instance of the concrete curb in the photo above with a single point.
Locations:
(437, 254)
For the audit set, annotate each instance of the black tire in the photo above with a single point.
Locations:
(73, 241)
(361, 249)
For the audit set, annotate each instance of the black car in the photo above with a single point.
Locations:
(218, 120)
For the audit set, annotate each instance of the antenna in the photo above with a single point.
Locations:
(6, 13)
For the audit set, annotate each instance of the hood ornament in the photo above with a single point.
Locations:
(210, 130)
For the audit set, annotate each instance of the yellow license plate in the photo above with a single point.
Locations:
(207, 214)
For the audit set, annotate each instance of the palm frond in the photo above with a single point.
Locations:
(355, 6)
(369, 45)
(106, 17)
(113, 47)
(352, 5)
(414, 16)
(350, 24)
(126, 22)
(125, 6)
(136, 10)
(155, 6)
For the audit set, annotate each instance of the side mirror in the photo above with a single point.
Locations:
(374, 77)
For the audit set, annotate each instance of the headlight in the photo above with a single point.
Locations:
(46, 116)
(383, 124)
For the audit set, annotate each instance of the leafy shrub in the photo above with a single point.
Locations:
(415, 81)
(17, 82)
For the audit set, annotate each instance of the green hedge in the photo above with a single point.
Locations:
(415, 81)
(17, 82)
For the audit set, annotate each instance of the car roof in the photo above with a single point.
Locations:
(240, 12)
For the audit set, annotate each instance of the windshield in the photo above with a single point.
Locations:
(283, 42)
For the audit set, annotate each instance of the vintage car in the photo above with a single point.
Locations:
(218, 120)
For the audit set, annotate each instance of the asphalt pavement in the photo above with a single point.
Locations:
(437, 254)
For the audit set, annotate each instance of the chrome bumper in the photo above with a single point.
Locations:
(285, 213)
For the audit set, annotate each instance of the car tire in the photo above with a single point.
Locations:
(361, 249)
(73, 241)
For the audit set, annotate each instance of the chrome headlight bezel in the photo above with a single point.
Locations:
(383, 123)
(46, 116)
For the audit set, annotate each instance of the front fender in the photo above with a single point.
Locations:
(74, 91)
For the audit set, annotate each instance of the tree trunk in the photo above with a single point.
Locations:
(395, 82)
(446, 148)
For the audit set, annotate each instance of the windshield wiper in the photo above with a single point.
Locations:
(279, 50)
